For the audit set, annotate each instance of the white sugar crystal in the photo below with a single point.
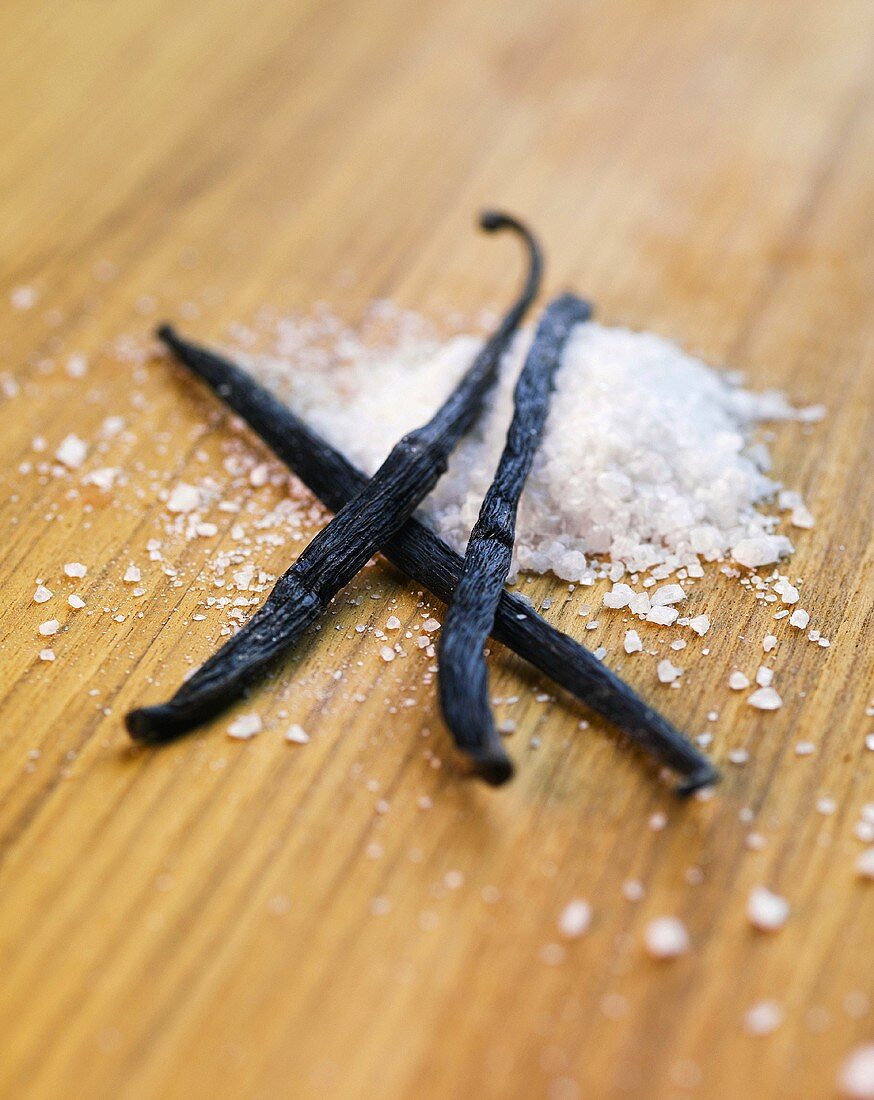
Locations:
(668, 672)
(666, 938)
(765, 698)
(663, 616)
(132, 575)
(575, 919)
(865, 864)
(856, 1079)
(767, 911)
(737, 681)
(42, 594)
(297, 734)
(244, 727)
(72, 452)
(75, 601)
(75, 569)
(667, 594)
(184, 498)
(763, 1018)
(799, 618)
(700, 624)
(632, 643)
(769, 642)
(50, 626)
(647, 457)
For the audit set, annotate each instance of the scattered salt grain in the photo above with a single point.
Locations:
(632, 643)
(632, 890)
(75, 569)
(764, 676)
(762, 550)
(72, 452)
(805, 748)
(667, 672)
(666, 938)
(765, 698)
(76, 366)
(42, 594)
(738, 682)
(700, 624)
(184, 498)
(46, 654)
(575, 919)
(856, 1078)
(132, 575)
(763, 1018)
(769, 642)
(865, 864)
(297, 735)
(430, 625)
(766, 910)
(619, 596)
(667, 594)
(244, 727)
(75, 601)
(387, 653)
(663, 616)
(392, 623)
(49, 627)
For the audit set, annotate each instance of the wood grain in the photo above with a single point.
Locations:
(200, 920)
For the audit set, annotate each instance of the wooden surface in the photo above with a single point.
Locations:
(200, 921)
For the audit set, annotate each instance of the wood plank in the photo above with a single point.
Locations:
(201, 919)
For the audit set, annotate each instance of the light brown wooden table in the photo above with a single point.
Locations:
(199, 921)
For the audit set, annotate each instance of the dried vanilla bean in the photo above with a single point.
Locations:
(464, 678)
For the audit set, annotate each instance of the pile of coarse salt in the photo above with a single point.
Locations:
(648, 458)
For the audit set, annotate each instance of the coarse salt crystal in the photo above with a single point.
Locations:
(72, 452)
(667, 672)
(430, 625)
(76, 366)
(856, 1078)
(762, 550)
(763, 1018)
(297, 734)
(666, 938)
(738, 682)
(75, 601)
(769, 642)
(619, 596)
(805, 748)
(50, 626)
(387, 653)
(700, 624)
(46, 654)
(632, 643)
(865, 864)
(765, 698)
(244, 727)
(575, 919)
(667, 594)
(184, 498)
(764, 676)
(42, 594)
(766, 910)
(392, 623)
(663, 616)
(132, 575)
(75, 569)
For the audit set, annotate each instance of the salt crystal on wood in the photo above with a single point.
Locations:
(244, 727)
(575, 919)
(766, 910)
(856, 1079)
(765, 698)
(666, 938)
(42, 594)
